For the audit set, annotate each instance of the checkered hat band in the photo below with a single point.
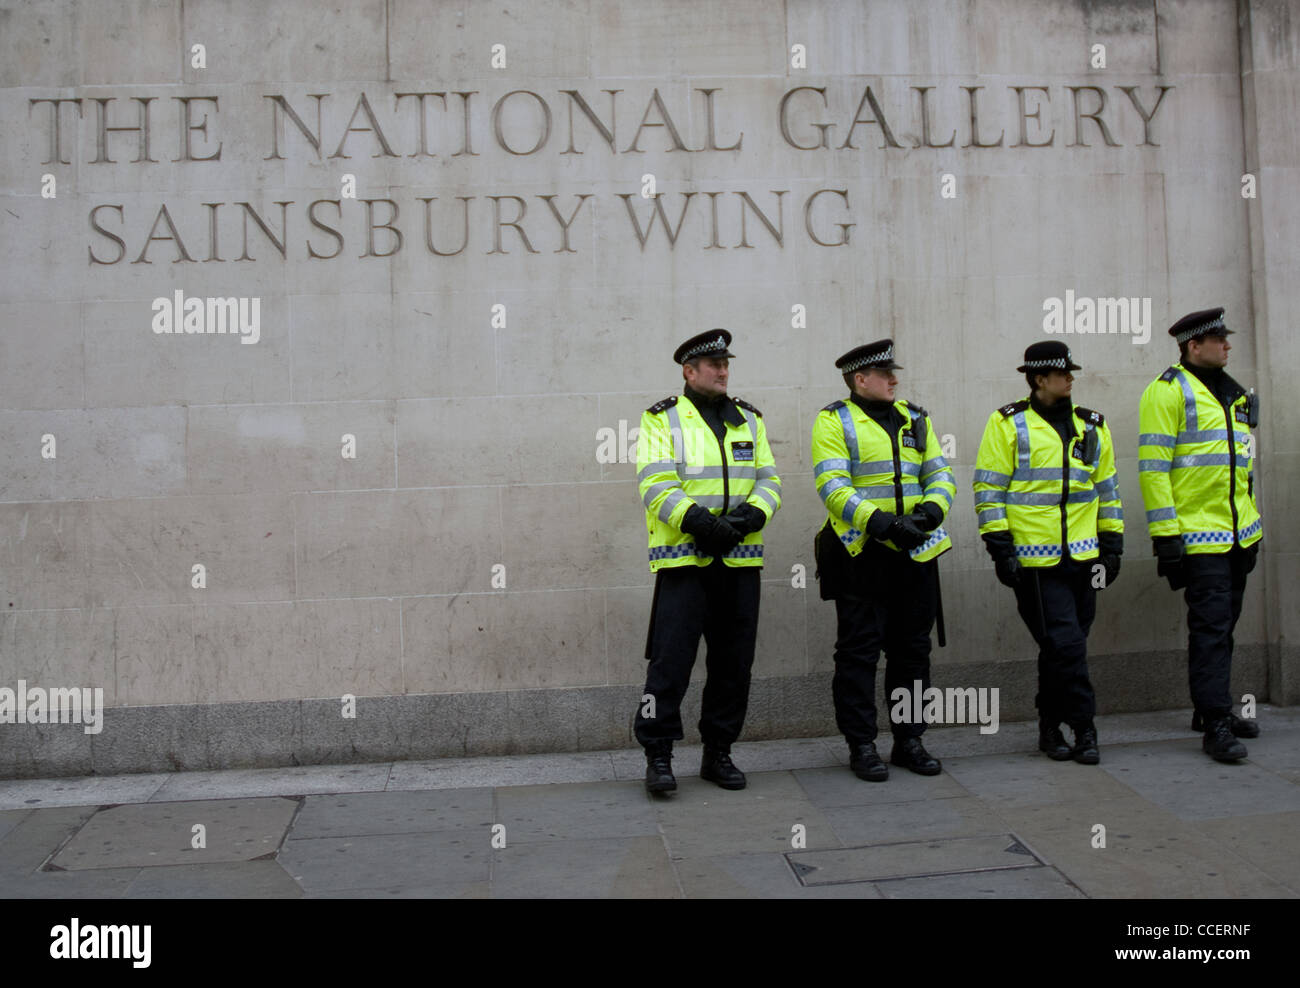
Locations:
(1060, 362)
(695, 351)
(861, 362)
(1208, 327)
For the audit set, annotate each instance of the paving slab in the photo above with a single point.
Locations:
(1154, 861)
(1028, 780)
(1269, 841)
(583, 868)
(911, 859)
(88, 790)
(576, 811)
(31, 842)
(217, 880)
(458, 890)
(757, 876)
(147, 834)
(1020, 883)
(298, 781)
(372, 813)
(701, 820)
(445, 861)
(516, 770)
(10, 819)
(749, 756)
(840, 787)
(112, 883)
(1190, 785)
(960, 816)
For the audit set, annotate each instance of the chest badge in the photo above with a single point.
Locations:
(742, 451)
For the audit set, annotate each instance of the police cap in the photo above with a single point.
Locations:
(1207, 322)
(1047, 356)
(879, 354)
(713, 343)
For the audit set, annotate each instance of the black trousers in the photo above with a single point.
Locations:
(888, 605)
(719, 602)
(1058, 604)
(1216, 583)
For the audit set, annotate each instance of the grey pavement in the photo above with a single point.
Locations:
(1156, 819)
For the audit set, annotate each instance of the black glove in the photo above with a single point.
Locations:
(1008, 570)
(1168, 550)
(1003, 550)
(746, 519)
(906, 534)
(1252, 554)
(927, 515)
(714, 535)
(1112, 547)
(1110, 563)
(879, 524)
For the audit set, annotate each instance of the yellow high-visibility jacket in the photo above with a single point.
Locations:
(860, 469)
(1053, 497)
(1194, 463)
(680, 462)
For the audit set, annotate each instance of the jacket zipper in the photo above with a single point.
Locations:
(1065, 487)
(898, 472)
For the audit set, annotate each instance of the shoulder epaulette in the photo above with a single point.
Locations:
(662, 406)
(1170, 374)
(1088, 415)
(833, 406)
(916, 410)
(1015, 406)
(744, 404)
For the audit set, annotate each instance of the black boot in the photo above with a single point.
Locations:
(867, 763)
(716, 767)
(659, 769)
(1052, 742)
(910, 753)
(1241, 728)
(1219, 743)
(1085, 745)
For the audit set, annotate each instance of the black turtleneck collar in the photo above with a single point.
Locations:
(1217, 381)
(882, 412)
(1059, 412)
(718, 412)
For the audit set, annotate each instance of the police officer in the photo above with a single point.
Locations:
(709, 485)
(1049, 513)
(887, 488)
(1198, 481)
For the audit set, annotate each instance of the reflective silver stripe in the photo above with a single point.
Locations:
(736, 471)
(937, 463)
(909, 468)
(991, 514)
(765, 472)
(675, 433)
(834, 484)
(1203, 436)
(824, 465)
(1109, 512)
(1157, 466)
(850, 431)
(659, 466)
(1162, 514)
(670, 502)
(1036, 498)
(991, 497)
(1108, 487)
(861, 468)
(770, 484)
(1189, 401)
(1156, 439)
(992, 477)
(1201, 460)
(1022, 441)
(766, 495)
(1082, 497)
(753, 425)
(850, 508)
(940, 492)
(1049, 473)
(655, 490)
(885, 490)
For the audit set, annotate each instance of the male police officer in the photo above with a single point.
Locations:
(709, 485)
(1048, 504)
(1198, 480)
(887, 488)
